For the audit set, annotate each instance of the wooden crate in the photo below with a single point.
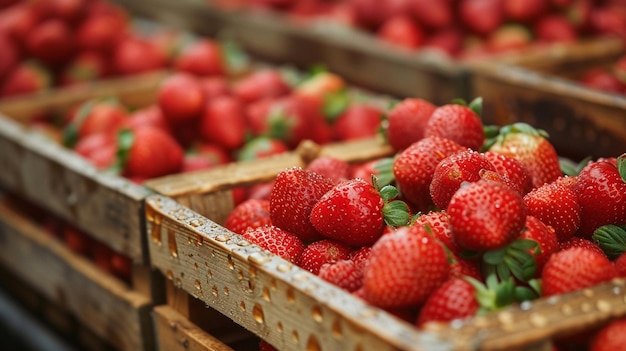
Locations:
(581, 121)
(108, 307)
(295, 310)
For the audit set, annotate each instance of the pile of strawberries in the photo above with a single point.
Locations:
(463, 219)
(610, 78)
(461, 28)
(49, 43)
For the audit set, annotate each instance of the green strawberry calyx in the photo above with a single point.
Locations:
(475, 105)
(395, 212)
(621, 166)
(491, 137)
(612, 239)
(70, 132)
(513, 260)
(279, 124)
(125, 140)
(384, 169)
(335, 104)
(493, 294)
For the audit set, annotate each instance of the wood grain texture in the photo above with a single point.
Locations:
(107, 306)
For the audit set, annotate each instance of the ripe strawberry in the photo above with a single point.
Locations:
(203, 57)
(601, 190)
(10, 55)
(413, 168)
(532, 148)
(86, 66)
(99, 149)
(343, 273)
(454, 170)
(611, 336)
(545, 237)
(324, 251)
(205, 156)
(251, 213)
(134, 55)
(320, 84)
(293, 196)
(438, 224)
(181, 98)
(407, 121)
(51, 42)
(557, 206)
(94, 117)
(575, 269)
(330, 167)
(454, 299)
(17, 21)
(555, 29)
(149, 153)
(391, 278)
(486, 216)
(448, 41)
(458, 123)
(101, 32)
(511, 169)
(69, 11)
(277, 241)
(481, 16)
(261, 147)
(525, 10)
(26, 77)
(355, 212)
(357, 121)
(223, 122)
(402, 31)
(215, 86)
(601, 79)
(576, 241)
(433, 14)
(620, 265)
(509, 37)
(361, 256)
(261, 84)
(149, 116)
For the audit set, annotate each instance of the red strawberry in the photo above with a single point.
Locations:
(361, 256)
(433, 14)
(407, 121)
(454, 299)
(438, 224)
(481, 16)
(555, 29)
(99, 149)
(324, 251)
(149, 116)
(601, 79)
(69, 11)
(486, 216)
(611, 336)
(557, 206)
(545, 236)
(402, 31)
(454, 170)
(223, 122)
(413, 168)
(250, 213)
(261, 147)
(525, 10)
(134, 55)
(277, 241)
(181, 98)
(601, 190)
(330, 167)
(10, 55)
(151, 153)
(320, 84)
(261, 84)
(458, 123)
(205, 156)
(509, 37)
(343, 273)
(355, 212)
(17, 21)
(101, 32)
(575, 269)
(51, 42)
(576, 241)
(201, 58)
(532, 148)
(357, 121)
(26, 77)
(86, 66)
(94, 117)
(293, 196)
(448, 41)
(511, 169)
(620, 265)
(215, 86)
(391, 279)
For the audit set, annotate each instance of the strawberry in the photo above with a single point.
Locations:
(531, 147)
(413, 168)
(361, 256)
(149, 153)
(454, 299)
(50, 42)
(611, 239)
(261, 84)
(215, 86)
(134, 55)
(458, 123)
(404, 268)
(355, 212)
(277, 241)
(68, 11)
(261, 147)
(181, 98)
(620, 265)
(17, 21)
(438, 224)
(324, 251)
(101, 32)
(576, 241)
(406, 122)
(223, 122)
(99, 149)
(575, 269)
(26, 77)
(557, 206)
(10, 55)
(601, 190)
(251, 213)
(481, 16)
(511, 169)
(330, 167)
(611, 336)
(600, 79)
(555, 29)
(509, 37)
(448, 41)
(343, 273)
(319, 84)
(454, 170)
(486, 215)
(525, 10)
(293, 196)
(203, 57)
(148, 116)
(545, 237)
(433, 14)
(94, 117)
(86, 66)
(401, 31)
(357, 121)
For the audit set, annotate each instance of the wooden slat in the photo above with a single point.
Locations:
(106, 305)
(108, 207)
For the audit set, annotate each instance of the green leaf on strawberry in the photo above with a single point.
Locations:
(395, 212)
(236, 58)
(335, 104)
(494, 294)
(621, 166)
(571, 168)
(125, 140)
(514, 259)
(612, 239)
(384, 169)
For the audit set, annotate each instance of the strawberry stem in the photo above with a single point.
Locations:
(125, 140)
(612, 239)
